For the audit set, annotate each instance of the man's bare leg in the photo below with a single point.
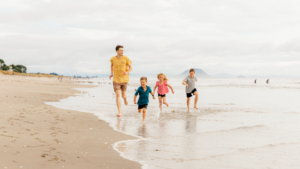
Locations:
(124, 97)
(188, 103)
(196, 100)
(118, 101)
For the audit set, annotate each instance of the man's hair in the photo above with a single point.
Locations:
(119, 46)
(192, 70)
(143, 78)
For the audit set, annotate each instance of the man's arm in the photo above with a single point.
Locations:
(128, 71)
(112, 71)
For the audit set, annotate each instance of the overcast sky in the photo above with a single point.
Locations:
(78, 37)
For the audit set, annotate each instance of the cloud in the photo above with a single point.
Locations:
(79, 37)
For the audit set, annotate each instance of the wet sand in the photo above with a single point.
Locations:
(36, 135)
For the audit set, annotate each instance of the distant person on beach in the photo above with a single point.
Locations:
(120, 69)
(267, 81)
(162, 89)
(255, 81)
(143, 101)
(190, 89)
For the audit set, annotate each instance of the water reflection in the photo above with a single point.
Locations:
(142, 131)
(190, 124)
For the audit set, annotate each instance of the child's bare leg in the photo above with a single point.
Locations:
(144, 115)
(188, 103)
(165, 102)
(160, 103)
(140, 110)
(196, 100)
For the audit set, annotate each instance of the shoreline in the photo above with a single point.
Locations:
(36, 135)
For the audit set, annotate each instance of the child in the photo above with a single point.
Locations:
(144, 91)
(162, 89)
(190, 89)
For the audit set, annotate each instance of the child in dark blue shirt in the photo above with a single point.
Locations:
(143, 91)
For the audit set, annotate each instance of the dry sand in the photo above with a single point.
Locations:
(38, 136)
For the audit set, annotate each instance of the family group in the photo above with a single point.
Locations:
(120, 69)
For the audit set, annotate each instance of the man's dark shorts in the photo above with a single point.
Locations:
(143, 106)
(119, 86)
(191, 94)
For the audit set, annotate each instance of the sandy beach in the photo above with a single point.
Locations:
(36, 135)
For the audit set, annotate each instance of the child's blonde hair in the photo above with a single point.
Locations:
(161, 74)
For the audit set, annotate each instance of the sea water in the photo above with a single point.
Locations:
(239, 124)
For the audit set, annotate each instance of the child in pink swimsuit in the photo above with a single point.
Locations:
(162, 89)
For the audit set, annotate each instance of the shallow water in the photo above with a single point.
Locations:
(238, 124)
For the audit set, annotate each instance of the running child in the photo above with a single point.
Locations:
(143, 101)
(190, 89)
(162, 89)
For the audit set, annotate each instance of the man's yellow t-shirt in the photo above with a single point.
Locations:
(119, 66)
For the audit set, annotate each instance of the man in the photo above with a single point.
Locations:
(190, 89)
(120, 68)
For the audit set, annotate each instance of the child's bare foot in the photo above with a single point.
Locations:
(125, 101)
(167, 104)
(119, 115)
(196, 107)
(143, 121)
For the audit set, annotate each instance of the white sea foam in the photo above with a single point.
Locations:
(238, 124)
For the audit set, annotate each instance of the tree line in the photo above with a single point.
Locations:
(15, 68)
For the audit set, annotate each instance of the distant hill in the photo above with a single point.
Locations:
(199, 73)
(241, 76)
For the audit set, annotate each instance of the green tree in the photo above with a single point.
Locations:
(4, 67)
(22, 68)
(13, 66)
(17, 69)
(1, 63)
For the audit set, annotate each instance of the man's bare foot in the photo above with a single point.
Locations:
(125, 101)
(119, 115)
(143, 121)
(196, 107)
(167, 104)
